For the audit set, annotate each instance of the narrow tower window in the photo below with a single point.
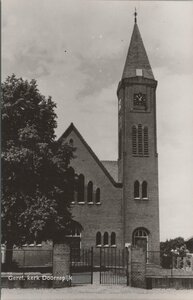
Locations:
(113, 239)
(144, 189)
(140, 140)
(136, 189)
(106, 239)
(145, 136)
(90, 192)
(134, 140)
(81, 188)
(71, 175)
(98, 239)
(97, 199)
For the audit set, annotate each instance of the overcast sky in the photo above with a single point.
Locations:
(77, 49)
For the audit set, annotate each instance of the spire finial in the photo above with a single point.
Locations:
(135, 14)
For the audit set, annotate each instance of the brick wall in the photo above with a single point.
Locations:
(106, 216)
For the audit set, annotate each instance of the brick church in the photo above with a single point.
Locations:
(117, 201)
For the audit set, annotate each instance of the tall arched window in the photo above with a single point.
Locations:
(90, 192)
(97, 197)
(140, 140)
(71, 175)
(81, 188)
(144, 189)
(98, 239)
(113, 239)
(145, 140)
(120, 144)
(105, 239)
(134, 140)
(136, 189)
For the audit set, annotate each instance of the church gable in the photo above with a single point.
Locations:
(87, 162)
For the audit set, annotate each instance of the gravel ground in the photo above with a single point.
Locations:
(98, 292)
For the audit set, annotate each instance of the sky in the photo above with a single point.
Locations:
(76, 51)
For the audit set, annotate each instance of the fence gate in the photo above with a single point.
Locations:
(81, 266)
(114, 266)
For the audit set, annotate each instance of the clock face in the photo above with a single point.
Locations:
(139, 99)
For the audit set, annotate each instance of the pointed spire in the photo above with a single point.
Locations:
(137, 62)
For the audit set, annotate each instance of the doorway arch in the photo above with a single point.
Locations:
(140, 238)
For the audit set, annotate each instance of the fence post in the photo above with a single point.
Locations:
(127, 264)
(138, 268)
(61, 267)
(91, 265)
(100, 262)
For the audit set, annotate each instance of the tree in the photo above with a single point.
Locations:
(36, 179)
(170, 248)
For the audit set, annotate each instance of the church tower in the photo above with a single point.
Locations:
(138, 158)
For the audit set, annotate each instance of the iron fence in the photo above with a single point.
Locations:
(113, 266)
(169, 265)
(81, 265)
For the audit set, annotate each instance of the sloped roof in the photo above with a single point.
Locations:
(137, 57)
(112, 168)
(73, 128)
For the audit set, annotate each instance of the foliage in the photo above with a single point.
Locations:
(171, 248)
(36, 189)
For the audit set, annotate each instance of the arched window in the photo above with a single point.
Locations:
(120, 144)
(98, 239)
(140, 140)
(145, 140)
(113, 239)
(71, 176)
(136, 189)
(81, 188)
(144, 189)
(90, 192)
(106, 239)
(134, 140)
(97, 197)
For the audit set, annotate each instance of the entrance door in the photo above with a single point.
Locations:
(140, 239)
(141, 242)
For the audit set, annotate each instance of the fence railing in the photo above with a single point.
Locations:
(171, 260)
(170, 265)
